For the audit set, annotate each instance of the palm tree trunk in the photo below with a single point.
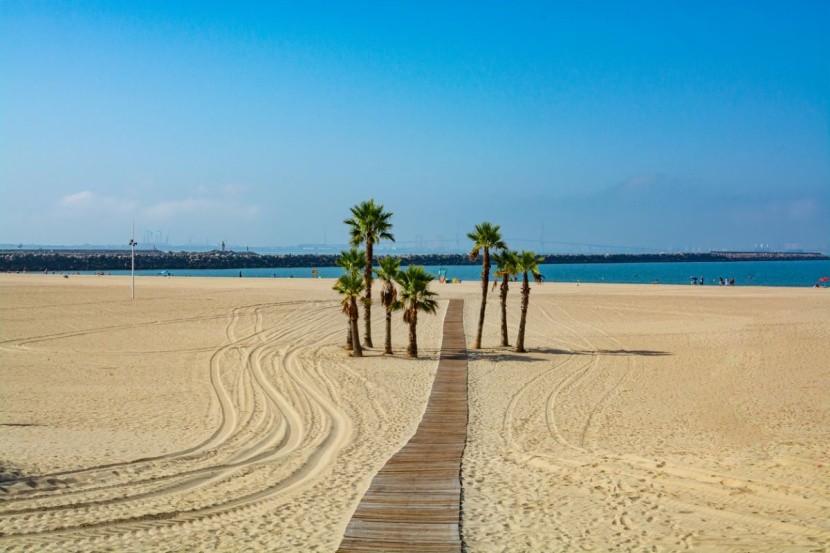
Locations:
(349, 333)
(412, 350)
(520, 340)
(504, 288)
(389, 332)
(367, 310)
(485, 278)
(357, 351)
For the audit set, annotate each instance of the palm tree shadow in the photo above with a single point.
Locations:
(10, 474)
(424, 354)
(613, 352)
(508, 355)
(500, 356)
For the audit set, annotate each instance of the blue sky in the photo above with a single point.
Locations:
(638, 124)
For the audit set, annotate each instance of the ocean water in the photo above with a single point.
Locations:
(745, 273)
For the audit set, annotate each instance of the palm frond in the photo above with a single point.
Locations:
(352, 261)
(486, 235)
(349, 284)
(415, 294)
(428, 306)
(388, 294)
(528, 262)
(388, 270)
(506, 262)
(369, 223)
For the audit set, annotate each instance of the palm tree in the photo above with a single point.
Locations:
(526, 262)
(351, 285)
(389, 269)
(415, 296)
(486, 237)
(369, 223)
(352, 262)
(506, 263)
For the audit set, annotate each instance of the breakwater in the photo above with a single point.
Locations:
(113, 260)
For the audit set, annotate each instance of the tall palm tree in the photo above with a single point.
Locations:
(506, 268)
(485, 237)
(389, 269)
(526, 262)
(352, 262)
(415, 296)
(351, 285)
(369, 224)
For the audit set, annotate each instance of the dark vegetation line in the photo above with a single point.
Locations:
(120, 260)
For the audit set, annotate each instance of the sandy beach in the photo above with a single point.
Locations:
(652, 418)
(224, 414)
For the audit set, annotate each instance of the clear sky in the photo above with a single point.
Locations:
(643, 124)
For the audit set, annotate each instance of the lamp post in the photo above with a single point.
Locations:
(133, 244)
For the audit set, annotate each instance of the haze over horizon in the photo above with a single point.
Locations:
(639, 125)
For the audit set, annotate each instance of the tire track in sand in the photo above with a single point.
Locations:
(273, 405)
(641, 498)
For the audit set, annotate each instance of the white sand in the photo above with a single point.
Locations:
(652, 418)
(224, 414)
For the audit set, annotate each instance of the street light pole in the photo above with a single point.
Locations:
(133, 244)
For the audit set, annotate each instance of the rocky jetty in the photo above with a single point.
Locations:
(111, 260)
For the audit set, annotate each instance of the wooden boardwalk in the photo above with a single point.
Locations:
(413, 504)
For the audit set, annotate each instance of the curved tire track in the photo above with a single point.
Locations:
(274, 405)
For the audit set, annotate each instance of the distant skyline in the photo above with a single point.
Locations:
(643, 125)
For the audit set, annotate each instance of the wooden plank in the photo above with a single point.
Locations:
(404, 531)
(406, 513)
(359, 545)
(413, 503)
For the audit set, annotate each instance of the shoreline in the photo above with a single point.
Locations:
(439, 287)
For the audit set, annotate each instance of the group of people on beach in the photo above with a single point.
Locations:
(700, 281)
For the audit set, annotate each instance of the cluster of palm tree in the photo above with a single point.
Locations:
(369, 224)
(487, 240)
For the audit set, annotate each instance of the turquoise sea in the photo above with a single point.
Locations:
(745, 273)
